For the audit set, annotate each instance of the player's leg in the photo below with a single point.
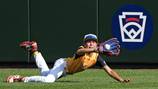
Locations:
(40, 62)
(46, 79)
(54, 74)
(58, 69)
(18, 78)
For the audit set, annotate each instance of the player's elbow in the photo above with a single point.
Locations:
(79, 52)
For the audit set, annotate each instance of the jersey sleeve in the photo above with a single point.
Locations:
(101, 61)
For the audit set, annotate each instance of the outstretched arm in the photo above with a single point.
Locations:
(110, 72)
(114, 74)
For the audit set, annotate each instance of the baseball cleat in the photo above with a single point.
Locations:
(29, 45)
(14, 78)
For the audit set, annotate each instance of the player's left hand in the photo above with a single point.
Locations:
(125, 81)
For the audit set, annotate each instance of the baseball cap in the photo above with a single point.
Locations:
(90, 37)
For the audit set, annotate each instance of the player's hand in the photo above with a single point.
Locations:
(125, 81)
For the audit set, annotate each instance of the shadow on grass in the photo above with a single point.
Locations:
(67, 81)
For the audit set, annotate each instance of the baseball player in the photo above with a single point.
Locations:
(86, 56)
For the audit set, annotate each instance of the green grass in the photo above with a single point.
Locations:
(89, 79)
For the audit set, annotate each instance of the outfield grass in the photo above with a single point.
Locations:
(89, 79)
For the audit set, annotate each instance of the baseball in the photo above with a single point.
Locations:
(107, 46)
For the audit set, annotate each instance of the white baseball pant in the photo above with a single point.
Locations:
(47, 75)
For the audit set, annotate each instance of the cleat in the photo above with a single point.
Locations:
(14, 78)
(29, 45)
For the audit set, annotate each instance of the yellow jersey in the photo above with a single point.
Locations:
(81, 63)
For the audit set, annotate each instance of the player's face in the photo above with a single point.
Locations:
(91, 44)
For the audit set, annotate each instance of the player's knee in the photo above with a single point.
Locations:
(50, 79)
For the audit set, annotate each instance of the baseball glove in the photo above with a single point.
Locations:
(110, 47)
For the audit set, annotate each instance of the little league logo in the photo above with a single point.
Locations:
(132, 25)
